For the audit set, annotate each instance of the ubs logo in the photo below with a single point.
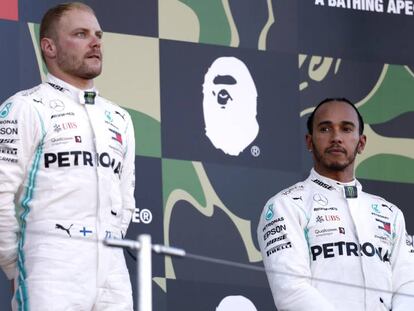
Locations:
(230, 105)
(65, 126)
(323, 218)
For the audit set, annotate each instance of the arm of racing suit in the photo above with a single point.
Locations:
(402, 262)
(286, 257)
(16, 151)
(128, 177)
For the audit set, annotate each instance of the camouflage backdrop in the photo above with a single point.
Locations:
(201, 185)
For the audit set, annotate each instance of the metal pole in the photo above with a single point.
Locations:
(144, 264)
(144, 275)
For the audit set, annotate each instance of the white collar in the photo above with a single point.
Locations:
(73, 92)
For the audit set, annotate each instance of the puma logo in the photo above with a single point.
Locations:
(122, 115)
(58, 226)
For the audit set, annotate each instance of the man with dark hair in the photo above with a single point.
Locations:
(326, 244)
(66, 177)
(309, 123)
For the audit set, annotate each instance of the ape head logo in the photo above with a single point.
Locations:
(230, 105)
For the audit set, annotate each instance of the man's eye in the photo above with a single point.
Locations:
(323, 129)
(80, 34)
(348, 129)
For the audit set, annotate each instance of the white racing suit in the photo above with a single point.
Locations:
(329, 246)
(66, 183)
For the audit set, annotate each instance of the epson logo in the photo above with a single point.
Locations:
(322, 184)
(8, 131)
(341, 248)
(82, 158)
(273, 231)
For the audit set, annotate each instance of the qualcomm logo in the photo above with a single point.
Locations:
(230, 105)
(231, 303)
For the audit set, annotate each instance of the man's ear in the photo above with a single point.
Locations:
(309, 144)
(48, 47)
(361, 144)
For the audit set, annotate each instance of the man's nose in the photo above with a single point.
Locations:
(96, 41)
(336, 135)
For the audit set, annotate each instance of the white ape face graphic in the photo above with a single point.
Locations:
(230, 105)
(232, 303)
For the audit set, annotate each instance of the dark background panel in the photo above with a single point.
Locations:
(362, 35)
(183, 128)
(326, 77)
(9, 43)
(245, 191)
(282, 35)
(249, 26)
(5, 292)
(135, 17)
(19, 69)
(214, 237)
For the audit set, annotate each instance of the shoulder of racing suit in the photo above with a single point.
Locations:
(31, 98)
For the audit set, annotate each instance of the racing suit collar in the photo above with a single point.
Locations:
(331, 184)
(76, 94)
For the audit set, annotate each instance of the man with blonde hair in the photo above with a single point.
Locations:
(66, 177)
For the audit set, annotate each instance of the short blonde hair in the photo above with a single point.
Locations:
(54, 14)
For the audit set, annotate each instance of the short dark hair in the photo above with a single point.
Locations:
(309, 123)
(54, 14)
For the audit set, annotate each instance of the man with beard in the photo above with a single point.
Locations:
(326, 244)
(66, 177)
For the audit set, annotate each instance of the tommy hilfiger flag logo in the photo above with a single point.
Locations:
(386, 226)
(117, 136)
